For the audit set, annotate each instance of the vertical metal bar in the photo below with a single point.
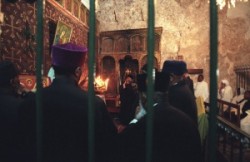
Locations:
(248, 83)
(244, 78)
(231, 149)
(91, 141)
(39, 56)
(241, 152)
(213, 81)
(237, 79)
(150, 86)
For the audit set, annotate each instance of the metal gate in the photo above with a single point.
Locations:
(151, 22)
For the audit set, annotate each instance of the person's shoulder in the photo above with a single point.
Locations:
(9, 101)
(174, 115)
(99, 98)
(28, 94)
(99, 102)
(203, 82)
(181, 88)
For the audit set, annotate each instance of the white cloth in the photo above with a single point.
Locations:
(238, 98)
(245, 123)
(201, 90)
(239, 101)
(102, 96)
(141, 113)
(51, 74)
(226, 93)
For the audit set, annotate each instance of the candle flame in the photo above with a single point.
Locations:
(100, 84)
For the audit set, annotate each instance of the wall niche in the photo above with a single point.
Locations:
(126, 50)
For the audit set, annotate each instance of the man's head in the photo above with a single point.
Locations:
(200, 78)
(161, 84)
(224, 83)
(67, 59)
(8, 74)
(175, 69)
(128, 79)
(247, 95)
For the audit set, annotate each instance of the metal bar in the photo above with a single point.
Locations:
(247, 79)
(241, 152)
(213, 81)
(39, 57)
(150, 86)
(91, 57)
(231, 149)
(237, 80)
(244, 78)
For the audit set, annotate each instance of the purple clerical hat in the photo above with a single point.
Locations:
(68, 55)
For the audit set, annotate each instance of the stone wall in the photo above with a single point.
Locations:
(186, 30)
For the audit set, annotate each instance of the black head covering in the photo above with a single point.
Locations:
(68, 55)
(8, 71)
(175, 67)
(130, 76)
(161, 82)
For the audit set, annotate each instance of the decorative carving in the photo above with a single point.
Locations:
(60, 2)
(122, 45)
(138, 43)
(76, 8)
(127, 48)
(107, 45)
(144, 60)
(108, 66)
(29, 38)
(83, 14)
(19, 29)
(68, 5)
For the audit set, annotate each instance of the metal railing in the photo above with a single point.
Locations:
(151, 23)
(234, 135)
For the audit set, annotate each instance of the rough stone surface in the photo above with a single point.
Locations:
(186, 30)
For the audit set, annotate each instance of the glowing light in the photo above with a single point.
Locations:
(100, 84)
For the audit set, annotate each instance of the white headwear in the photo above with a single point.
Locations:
(225, 81)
